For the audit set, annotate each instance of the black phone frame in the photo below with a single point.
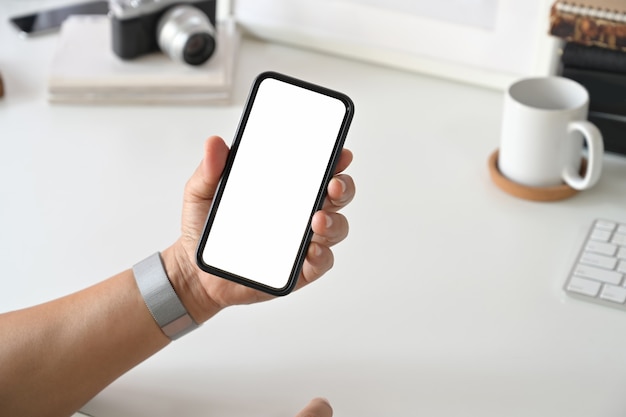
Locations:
(321, 195)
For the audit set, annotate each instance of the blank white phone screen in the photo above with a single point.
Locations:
(274, 181)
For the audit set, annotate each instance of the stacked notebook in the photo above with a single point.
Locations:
(85, 69)
(594, 54)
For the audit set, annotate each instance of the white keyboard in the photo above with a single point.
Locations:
(599, 270)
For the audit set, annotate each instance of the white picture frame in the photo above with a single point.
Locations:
(515, 45)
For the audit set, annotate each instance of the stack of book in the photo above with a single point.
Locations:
(85, 69)
(594, 54)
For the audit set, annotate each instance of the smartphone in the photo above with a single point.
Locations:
(50, 20)
(284, 153)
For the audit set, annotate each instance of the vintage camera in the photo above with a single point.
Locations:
(183, 30)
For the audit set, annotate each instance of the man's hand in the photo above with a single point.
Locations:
(204, 294)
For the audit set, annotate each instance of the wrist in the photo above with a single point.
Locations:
(185, 279)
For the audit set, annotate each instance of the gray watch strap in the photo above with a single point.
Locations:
(161, 299)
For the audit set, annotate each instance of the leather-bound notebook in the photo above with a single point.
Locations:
(590, 22)
(607, 90)
(595, 58)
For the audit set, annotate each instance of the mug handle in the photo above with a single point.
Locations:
(595, 148)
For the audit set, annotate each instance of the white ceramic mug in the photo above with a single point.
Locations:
(544, 123)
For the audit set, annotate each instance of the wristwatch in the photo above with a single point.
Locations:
(161, 299)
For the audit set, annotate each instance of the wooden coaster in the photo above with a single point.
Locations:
(558, 192)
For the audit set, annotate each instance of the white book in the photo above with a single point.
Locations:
(85, 69)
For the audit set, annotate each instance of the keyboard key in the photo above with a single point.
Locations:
(600, 235)
(619, 239)
(584, 286)
(602, 261)
(613, 293)
(602, 248)
(605, 225)
(600, 269)
(610, 277)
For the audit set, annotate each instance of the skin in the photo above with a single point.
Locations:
(318, 407)
(56, 356)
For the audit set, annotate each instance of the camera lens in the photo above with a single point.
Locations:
(186, 34)
(198, 48)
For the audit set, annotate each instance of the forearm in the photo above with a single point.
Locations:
(56, 356)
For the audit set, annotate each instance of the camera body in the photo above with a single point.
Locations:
(139, 27)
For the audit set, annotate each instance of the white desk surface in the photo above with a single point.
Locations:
(445, 300)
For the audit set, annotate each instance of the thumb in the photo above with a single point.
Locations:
(203, 183)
